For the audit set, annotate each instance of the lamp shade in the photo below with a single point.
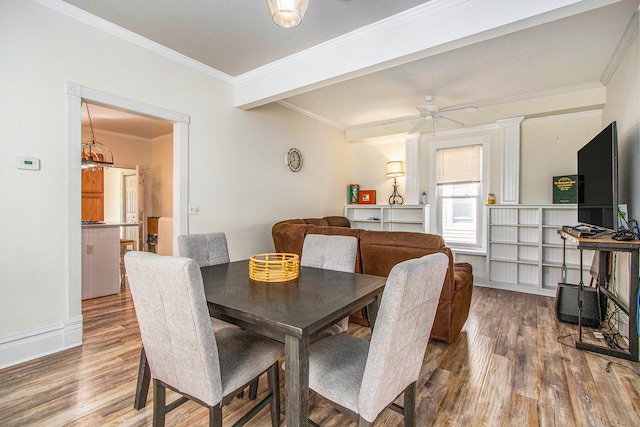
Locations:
(287, 13)
(395, 169)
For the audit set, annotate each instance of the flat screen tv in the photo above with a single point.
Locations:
(598, 181)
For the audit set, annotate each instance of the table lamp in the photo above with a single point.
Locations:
(394, 170)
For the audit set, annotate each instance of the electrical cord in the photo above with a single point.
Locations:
(609, 362)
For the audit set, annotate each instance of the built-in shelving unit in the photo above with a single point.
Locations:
(389, 217)
(524, 249)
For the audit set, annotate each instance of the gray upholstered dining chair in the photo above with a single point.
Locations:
(361, 378)
(332, 253)
(205, 250)
(184, 352)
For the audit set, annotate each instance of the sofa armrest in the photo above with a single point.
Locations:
(289, 237)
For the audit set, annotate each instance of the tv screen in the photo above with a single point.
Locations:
(598, 180)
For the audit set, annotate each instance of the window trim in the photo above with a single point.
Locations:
(485, 142)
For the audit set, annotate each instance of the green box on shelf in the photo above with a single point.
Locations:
(565, 189)
(352, 193)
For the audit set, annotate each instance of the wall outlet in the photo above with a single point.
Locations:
(89, 249)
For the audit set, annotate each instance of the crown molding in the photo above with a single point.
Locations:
(630, 33)
(562, 117)
(541, 94)
(312, 115)
(131, 37)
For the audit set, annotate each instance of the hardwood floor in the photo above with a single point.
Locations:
(507, 368)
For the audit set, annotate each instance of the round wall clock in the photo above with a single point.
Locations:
(294, 160)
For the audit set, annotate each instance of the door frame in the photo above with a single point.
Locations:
(76, 94)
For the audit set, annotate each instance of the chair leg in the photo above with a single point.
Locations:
(273, 379)
(364, 423)
(159, 403)
(410, 405)
(253, 389)
(144, 377)
(215, 416)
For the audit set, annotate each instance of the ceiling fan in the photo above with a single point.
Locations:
(434, 113)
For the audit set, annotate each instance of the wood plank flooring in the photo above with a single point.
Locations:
(507, 368)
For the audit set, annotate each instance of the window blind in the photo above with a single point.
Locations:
(459, 165)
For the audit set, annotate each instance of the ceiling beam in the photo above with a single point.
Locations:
(435, 27)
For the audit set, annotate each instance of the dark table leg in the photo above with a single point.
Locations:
(372, 310)
(296, 356)
(144, 377)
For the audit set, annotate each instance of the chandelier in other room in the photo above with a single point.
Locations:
(95, 155)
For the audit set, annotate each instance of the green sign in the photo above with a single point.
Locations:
(565, 189)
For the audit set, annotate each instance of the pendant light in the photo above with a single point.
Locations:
(95, 155)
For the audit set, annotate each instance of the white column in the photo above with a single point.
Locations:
(510, 173)
(412, 163)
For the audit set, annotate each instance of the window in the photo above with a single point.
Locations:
(459, 183)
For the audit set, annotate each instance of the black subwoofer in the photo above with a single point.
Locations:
(594, 305)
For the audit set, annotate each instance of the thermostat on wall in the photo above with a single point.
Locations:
(30, 163)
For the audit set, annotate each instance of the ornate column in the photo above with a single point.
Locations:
(510, 172)
(412, 163)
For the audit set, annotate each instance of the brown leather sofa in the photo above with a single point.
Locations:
(379, 251)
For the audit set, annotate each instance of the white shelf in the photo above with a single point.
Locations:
(525, 250)
(389, 217)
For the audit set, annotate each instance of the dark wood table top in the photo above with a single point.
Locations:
(306, 305)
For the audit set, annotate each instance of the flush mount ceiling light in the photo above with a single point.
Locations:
(287, 13)
(95, 155)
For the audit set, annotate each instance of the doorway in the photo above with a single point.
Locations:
(76, 94)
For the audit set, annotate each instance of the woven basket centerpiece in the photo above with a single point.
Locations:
(274, 267)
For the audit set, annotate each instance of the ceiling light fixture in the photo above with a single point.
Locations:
(95, 155)
(287, 13)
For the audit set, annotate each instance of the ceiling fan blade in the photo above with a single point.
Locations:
(467, 108)
(418, 126)
(400, 120)
(428, 110)
(448, 122)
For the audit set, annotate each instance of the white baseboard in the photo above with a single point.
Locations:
(28, 345)
(515, 288)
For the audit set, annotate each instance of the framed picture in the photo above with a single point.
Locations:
(367, 197)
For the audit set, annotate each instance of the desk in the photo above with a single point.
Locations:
(289, 312)
(609, 245)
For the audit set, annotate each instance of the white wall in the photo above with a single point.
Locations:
(549, 148)
(161, 176)
(369, 168)
(237, 173)
(113, 194)
(623, 106)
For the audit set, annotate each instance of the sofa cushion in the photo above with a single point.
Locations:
(382, 250)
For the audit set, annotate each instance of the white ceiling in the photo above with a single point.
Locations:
(236, 37)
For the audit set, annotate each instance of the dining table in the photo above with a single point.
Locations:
(292, 312)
